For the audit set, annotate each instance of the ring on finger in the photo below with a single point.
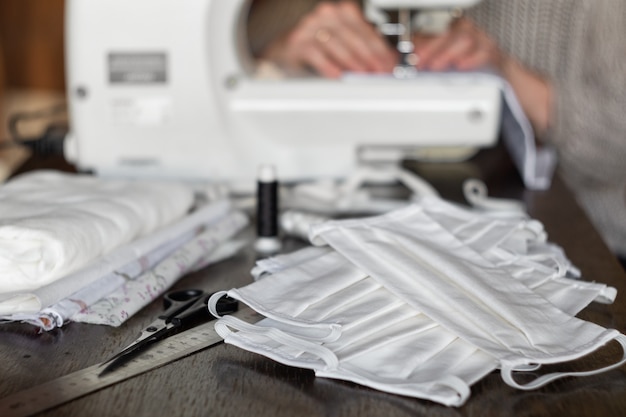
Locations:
(323, 35)
(457, 13)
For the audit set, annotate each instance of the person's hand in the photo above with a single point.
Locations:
(332, 39)
(462, 47)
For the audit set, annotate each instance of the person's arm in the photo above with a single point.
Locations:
(589, 123)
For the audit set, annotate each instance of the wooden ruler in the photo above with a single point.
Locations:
(78, 384)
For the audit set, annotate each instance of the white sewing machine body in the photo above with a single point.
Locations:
(161, 88)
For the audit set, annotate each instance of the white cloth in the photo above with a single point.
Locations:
(347, 320)
(53, 223)
(209, 246)
(416, 259)
(62, 301)
(103, 275)
(324, 314)
(327, 315)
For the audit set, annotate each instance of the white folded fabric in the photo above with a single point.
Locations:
(210, 246)
(103, 275)
(53, 223)
(405, 303)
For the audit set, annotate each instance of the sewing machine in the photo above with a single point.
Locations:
(167, 89)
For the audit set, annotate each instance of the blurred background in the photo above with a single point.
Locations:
(31, 66)
(31, 35)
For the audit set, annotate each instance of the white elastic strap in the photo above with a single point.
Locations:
(223, 326)
(212, 303)
(297, 223)
(607, 295)
(507, 371)
(332, 330)
(415, 183)
(475, 192)
(527, 367)
(458, 385)
(549, 272)
(561, 264)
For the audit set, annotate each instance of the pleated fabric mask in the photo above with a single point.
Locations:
(414, 257)
(327, 314)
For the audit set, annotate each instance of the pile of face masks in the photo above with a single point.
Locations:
(423, 301)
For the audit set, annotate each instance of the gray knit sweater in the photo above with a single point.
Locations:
(580, 45)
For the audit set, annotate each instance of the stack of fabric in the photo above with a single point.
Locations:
(423, 301)
(76, 247)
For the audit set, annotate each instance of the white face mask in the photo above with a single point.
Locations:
(416, 259)
(372, 338)
(519, 246)
(383, 343)
(512, 240)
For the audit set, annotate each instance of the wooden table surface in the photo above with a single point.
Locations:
(227, 381)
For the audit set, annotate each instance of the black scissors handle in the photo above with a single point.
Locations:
(186, 306)
(179, 304)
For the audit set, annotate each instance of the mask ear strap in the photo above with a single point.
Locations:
(225, 326)
(508, 369)
(322, 332)
(475, 192)
(212, 303)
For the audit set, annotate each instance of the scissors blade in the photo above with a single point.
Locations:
(156, 331)
(159, 329)
(209, 337)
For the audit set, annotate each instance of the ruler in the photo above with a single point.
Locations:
(80, 383)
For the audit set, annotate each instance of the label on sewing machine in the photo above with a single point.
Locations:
(141, 111)
(137, 68)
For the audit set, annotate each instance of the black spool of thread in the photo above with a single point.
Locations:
(268, 240)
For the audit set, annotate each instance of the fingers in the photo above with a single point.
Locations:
(462, 47)
(364, 42)
(321, 61)
(335, 38)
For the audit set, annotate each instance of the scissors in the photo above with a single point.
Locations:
(184, 309)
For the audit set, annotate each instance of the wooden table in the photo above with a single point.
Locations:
(227, 381)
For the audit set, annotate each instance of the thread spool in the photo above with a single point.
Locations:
(268, 240)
